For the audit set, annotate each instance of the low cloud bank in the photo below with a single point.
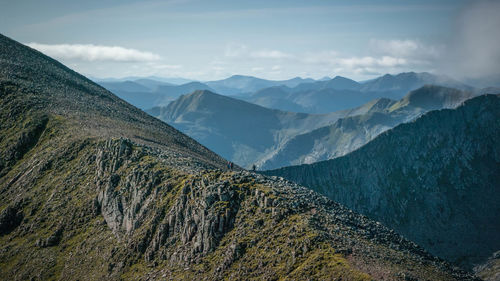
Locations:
(90, 52)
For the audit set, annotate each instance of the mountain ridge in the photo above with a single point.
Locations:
(250, 134)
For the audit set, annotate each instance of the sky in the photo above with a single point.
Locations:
(209, 40)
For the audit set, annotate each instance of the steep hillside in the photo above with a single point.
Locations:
(434, 180)
(350, 133)
(92, 188)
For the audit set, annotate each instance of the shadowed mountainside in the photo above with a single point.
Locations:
(434, 180)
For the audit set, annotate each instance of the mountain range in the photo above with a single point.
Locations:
(92, 188)
(342, 93)
(349, 133)
(250, 134)
(240, 84)
(435, 180)
(295, 95)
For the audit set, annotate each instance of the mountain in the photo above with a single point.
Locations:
(155, 79)
(342, 93)
(237, 130)
(238, 84)
(127, 86)
(434, 180)
(337, 83)
(173, 92)
(295, 95)
(408, 81)
(349, 133)
(152, 84)
(249, 134)
(311, 101)
(148, 93)
(92, 188)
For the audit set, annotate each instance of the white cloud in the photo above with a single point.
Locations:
(384, 61)
(90, 52)
(408, 49)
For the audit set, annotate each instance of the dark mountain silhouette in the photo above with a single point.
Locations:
(434, 180)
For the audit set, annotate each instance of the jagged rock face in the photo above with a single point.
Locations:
(435, 180)
(198, 217)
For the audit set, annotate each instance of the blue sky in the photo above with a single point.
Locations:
(208, 40)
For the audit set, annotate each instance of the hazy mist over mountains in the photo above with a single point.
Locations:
(250, 140)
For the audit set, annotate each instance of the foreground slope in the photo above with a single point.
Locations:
(93, 189)
(435, 180)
